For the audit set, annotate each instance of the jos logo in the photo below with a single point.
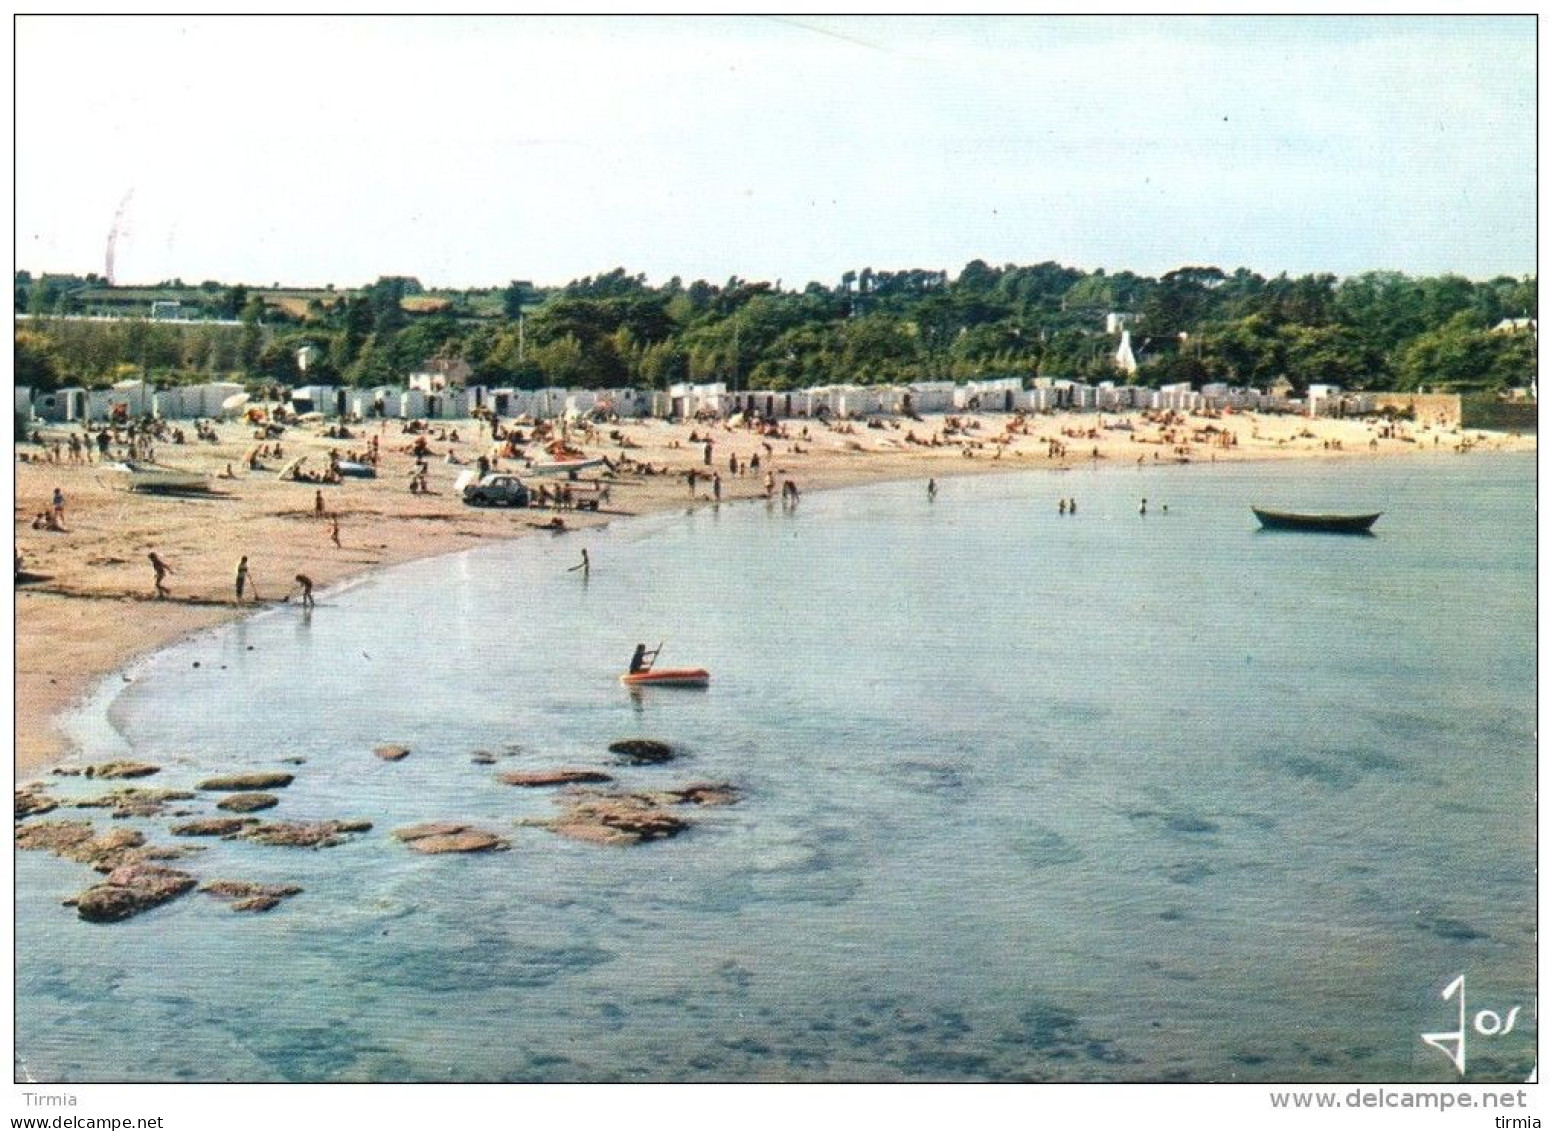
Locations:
(1486, 1022)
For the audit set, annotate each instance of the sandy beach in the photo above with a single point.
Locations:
(87, 607)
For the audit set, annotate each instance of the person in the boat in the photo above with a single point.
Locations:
(638, 661)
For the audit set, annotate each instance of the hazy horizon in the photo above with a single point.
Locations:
(468, 151)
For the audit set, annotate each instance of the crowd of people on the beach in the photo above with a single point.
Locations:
(719, 447)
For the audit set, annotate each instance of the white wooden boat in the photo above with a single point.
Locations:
(153, 477)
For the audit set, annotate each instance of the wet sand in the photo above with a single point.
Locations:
(87, 607)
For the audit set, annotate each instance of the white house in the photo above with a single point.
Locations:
(1323, 400)
(441, 374)
(1125, 359)
(306, 355)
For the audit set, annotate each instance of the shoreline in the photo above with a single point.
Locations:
(91, 613)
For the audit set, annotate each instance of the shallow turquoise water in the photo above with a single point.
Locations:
(1100, 797)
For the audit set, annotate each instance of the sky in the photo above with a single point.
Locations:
(471, 151)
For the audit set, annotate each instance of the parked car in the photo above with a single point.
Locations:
(497, 490)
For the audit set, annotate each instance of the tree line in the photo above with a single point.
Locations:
(1378, 330)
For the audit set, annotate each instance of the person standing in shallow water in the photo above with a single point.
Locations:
(242, 578)
(932, 489)
(307, 590)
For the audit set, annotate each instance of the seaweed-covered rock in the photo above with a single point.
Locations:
(303, 834)
(483, 758)
(555, 777)
(212, 826)
(57, 837)
(77, 840)
(245, 896)
(129, 890)
(437, 837)
(709, 793)
(249, 782)
(248, 802)
(135, 801)
(391, 752)
(701, 793)
(615, 819)
(122, 769)
(642, 750)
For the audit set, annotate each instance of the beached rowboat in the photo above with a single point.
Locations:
(1318, 523)
(667, 677)
(153, 478)
(564, 466)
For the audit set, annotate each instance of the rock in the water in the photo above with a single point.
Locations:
(74, 840)
(303, 834)
(56, 836)
(32, 800)
(642, 750)
(257, 903)
(696, 793)
(245, 783)
(245, 896)
(135, 801)
(392, 753)
(295, 761)
(68, 771)
(248, 802)
(212, 826)
(437, 837)
(483, 758)
(555, 777)
(708, 793)
(616, 819)
(129, 890)
(122, 770)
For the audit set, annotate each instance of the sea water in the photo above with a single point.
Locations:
(1025, 796)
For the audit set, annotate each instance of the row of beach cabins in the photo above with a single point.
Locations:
(427, 400)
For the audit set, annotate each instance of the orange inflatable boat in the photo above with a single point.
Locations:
(667, 677)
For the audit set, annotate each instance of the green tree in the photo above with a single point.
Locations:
(36, 364)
